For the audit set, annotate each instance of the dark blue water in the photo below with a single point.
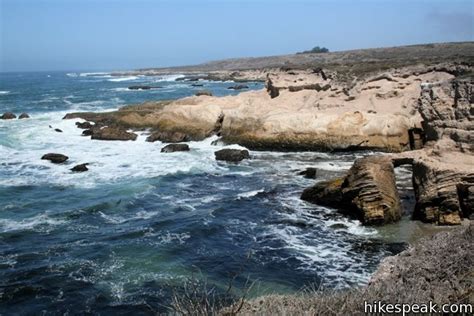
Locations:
(126, 234)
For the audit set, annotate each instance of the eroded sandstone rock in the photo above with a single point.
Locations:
(368, 192)
(112, 133)
(167, 137)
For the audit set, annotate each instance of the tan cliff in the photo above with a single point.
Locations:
(312, 110)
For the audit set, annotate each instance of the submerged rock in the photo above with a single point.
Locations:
(23, 116)
(238, 87)
(175, 147)
(8, 116)
(309, 173)
(55, 158)
(80, 168)
(204, 92)
(232, 155)
(168, 137)
(368, 192)
(143, 87)
(112, 133)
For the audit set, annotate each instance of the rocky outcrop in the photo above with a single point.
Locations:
(80, 168)
(112, 133)
(23, 116)
(84, 125)
(368, 192)
(448, 112)
(55, 158)
(168, 137)
(443, 196)
(175, 147)
(232, 155)
(7, 116)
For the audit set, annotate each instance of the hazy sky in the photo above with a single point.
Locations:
(127, 34)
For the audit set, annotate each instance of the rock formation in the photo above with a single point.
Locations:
(232, 155)
(80, 168)
(368, 192)
(112, 133)
(167, 137)
(23, 116)
(7, 116)
(55, 158)
(175, 147)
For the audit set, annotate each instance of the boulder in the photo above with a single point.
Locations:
(368, 192)
(204, 92)
(87, 132)
(8, 116)
(232, 155)
(309, 173)
(23, 116)
(175, 147)
(168, 137)
(112, 133)
(326, 193)
(238, 87)
(84, 125)
(55, 158)
(80, 168)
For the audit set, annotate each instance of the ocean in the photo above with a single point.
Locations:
(130, 232)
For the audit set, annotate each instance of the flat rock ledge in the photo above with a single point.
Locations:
(175, 147)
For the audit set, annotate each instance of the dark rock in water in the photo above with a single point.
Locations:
(327, 193)
(238, 87)
(143, 87)
(309, 173)
(58, 130)
(112, 133)
(175, 147)
(232, 155)
(8, 116)
(84, 125)
(338, 226)
(197, 85)
(204, 92)
(168, 137)
(87, 132)
(80, 168)
(55, 158)
(23, 116)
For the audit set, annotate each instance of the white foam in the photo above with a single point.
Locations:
(94, 74)
(250, 193)
(43, 220)
(120, 79)
(110, 161)
(167, 78)
(4, 92)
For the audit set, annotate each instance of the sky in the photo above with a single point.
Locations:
(37, 35)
